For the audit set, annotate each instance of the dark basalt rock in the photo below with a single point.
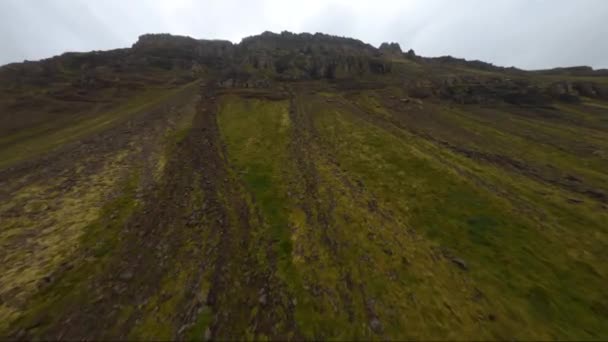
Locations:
(287, 55)
(390, 49)
(563, 91)
(258, 60)
(310, 56)
(470, 89)
(181, 46)
(475, 64)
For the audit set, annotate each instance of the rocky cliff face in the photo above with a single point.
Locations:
(391, 50)
(178, 51)
(166, 42)
(285, 55)
(258, 60)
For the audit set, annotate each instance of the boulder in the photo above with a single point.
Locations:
(585, 89)
(420, 89)
(563, 91)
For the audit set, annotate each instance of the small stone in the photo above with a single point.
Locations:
(207, 336)
(597, 194)
(182, 329)
(20, 334)
(375, 325)
(412, 298)
(126, 275)
(477, 295)
(262, 299)
(572, 178)
(118, 289)
(460, 263)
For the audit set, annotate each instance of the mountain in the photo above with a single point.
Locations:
(300, 186)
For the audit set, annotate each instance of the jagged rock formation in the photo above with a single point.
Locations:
(258, 60)
(390, 49)
(285, 55)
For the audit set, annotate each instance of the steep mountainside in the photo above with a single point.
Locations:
(300, 186)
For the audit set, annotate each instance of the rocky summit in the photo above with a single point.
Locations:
(300, 187)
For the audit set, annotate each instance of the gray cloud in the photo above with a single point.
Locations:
(529, 34)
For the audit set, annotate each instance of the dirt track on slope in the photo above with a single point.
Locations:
(195, 220)
(36, 197)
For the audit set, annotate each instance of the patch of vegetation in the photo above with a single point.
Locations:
(201, 325)
(256, 134)
(506, 252)
(99, 239)
(27, 144)
(171, 140)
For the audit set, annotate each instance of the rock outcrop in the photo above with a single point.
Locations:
(259, 60)
(285, 55)
(314, 56)
(390, 49)
(170, 45)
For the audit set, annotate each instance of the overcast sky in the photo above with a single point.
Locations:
(530, 34)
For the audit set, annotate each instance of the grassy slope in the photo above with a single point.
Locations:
(42, 138)
(513, 238)
(343, 215)
(65, 228)
(255, 133)
(354, 264)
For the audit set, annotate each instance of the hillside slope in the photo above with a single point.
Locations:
(300, 187)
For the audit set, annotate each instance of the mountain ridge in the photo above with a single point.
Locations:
(167, 37)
